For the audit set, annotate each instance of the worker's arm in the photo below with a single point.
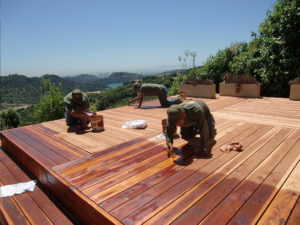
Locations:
(169, 136)
(140, 99)
(135, 99)
(82, 114)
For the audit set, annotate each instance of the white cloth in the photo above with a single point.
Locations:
(12, 189)
(135, 124)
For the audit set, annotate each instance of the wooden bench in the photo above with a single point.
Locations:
(29, 207)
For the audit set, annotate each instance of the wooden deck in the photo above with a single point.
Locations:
(123, 176)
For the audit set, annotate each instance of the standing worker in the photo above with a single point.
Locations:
(191, 116)
(77, 109)
(154, 90)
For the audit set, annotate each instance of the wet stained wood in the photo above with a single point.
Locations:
(204, 181)
(124, 175)
(295, 215)
(178, 178)
(34, 207)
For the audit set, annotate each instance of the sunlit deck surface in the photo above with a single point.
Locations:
(123, 176)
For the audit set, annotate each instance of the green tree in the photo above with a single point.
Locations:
(51, 105)
(273, 55)
(9, 119)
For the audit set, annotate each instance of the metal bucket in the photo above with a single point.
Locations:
(97, 123)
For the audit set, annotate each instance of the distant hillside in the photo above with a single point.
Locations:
(21, 89)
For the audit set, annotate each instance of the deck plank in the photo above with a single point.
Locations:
(282, 205)
(26, 203)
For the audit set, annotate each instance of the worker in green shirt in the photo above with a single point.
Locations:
(192, 116)
(77, 109)
(154, 90)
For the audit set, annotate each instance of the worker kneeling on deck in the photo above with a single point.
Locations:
(154, 90)
(77, 109)
(192, 116)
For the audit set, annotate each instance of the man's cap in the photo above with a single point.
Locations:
(136, 85)
(76, 93)
(174, 112)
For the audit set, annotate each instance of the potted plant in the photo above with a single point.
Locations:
(240, 86)
(295, 89)
(201, 88)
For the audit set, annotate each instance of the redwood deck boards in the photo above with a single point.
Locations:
(27, 208)
(123, 176)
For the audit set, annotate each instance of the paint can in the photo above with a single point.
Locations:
(97, 123)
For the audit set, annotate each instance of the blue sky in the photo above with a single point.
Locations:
(69, 37)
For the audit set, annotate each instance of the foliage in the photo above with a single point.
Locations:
(21, 89)
(191, 73)
(9, 119)
(219, 65)
(194, 81)
(26, 116)
(295, 81)
(278, 41)
(106, 98)
(51, 105)
(239, 79)
(273, 55)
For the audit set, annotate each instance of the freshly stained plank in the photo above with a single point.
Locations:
(202, 208)
(40, 199)
(42, 127)
(93, 163)
(295, 215)
(24, 201)
(10, 212)
(66, 146)
(139, 188)
(93, 158)
(53, 156)
(56, 146)
(14, 143)
(132, 166)
(112, 169)
(151, 194)
(194, 187)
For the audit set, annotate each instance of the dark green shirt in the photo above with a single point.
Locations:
(152, 89)
(197, 113)
(71, 106)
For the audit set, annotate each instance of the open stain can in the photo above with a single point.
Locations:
(97, 123)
